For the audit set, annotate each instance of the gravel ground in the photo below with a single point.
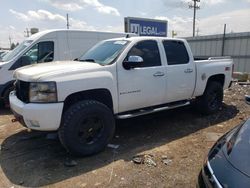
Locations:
(170, 147)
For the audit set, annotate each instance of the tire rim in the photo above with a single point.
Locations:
(90, 130)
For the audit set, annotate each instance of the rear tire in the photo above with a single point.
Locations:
(211, 101)
(87, 127)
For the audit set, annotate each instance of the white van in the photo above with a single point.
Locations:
(47, 46)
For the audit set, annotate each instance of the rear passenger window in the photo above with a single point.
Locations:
(176, 52)
(149, 51)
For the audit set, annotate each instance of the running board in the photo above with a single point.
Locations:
(150, 111)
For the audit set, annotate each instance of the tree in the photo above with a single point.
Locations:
(13, 45)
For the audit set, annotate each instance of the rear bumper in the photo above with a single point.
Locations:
(42, 117)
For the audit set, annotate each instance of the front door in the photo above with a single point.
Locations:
(145, 85)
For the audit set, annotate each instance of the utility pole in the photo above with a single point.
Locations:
(195, 7)
(67, 21)
(223, 40)
(197, 31)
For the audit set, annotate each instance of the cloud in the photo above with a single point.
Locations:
(75, 5)
(175, 4)
(44, 15)
(235, 21)
(66, 6)
(78, 24)
(37, 15)
(19, 15)
(101, 7)
(186, 3)
(181, 25)
(12, 27)
(213, 2)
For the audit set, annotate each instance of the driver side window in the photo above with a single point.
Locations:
(149, 52)
(38, 53)
(45, 52)
(31, 55)
(41, 52)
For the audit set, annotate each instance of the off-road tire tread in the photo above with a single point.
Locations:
(71, 112)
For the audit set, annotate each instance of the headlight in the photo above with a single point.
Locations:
(43, 92)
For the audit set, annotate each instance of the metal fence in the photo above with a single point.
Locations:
(236, 45)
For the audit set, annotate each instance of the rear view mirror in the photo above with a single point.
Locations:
(247, 99)
(132, 62)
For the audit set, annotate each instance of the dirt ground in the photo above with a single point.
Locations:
(177, 141)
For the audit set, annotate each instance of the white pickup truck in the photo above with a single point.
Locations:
(117, 78)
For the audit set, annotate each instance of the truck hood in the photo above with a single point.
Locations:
(44, 70)
(233, 149)
(237, 149)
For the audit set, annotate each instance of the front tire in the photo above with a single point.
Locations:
(87, 127)
(6, 94)
(211, 101)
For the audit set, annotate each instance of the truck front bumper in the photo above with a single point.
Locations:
(42, 117)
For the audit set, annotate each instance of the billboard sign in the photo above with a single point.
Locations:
(146, 27)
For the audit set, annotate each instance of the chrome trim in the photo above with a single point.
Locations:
(212, 173)
(220, 57)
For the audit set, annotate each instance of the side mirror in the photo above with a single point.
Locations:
(132, 62)
(247, 99)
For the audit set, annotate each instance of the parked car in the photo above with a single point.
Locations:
(117, 78)
(228, 162)
(47, 46)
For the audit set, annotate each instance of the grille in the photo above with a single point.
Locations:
(22, 91)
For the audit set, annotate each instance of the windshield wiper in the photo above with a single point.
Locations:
(88, 60)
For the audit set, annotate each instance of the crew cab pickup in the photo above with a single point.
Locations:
(117, 78)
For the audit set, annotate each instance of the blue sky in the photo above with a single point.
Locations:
(108, 15)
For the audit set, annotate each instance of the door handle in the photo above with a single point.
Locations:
(157, 74)
(188, 70)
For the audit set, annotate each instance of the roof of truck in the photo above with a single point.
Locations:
(139, 38)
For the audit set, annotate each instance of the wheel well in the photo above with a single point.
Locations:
(6, 87)
(100, 95)
(220, 78)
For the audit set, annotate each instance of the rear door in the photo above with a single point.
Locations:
(180, 71)
(143, 86)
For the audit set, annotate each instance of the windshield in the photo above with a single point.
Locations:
(104, 52)
(17, 50)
